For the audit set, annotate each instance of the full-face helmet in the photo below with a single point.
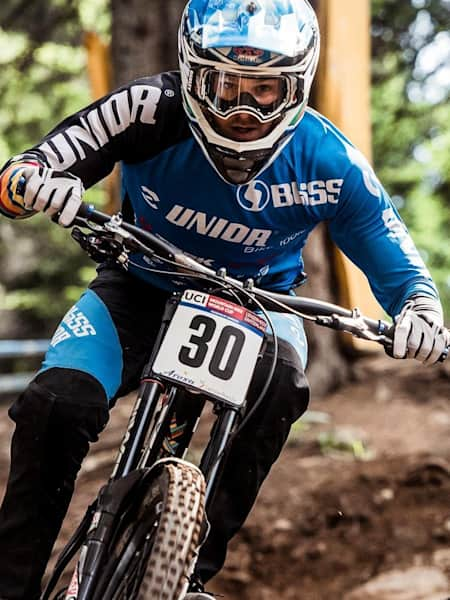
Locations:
(256, 57)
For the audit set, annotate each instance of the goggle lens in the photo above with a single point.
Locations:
(226, 92)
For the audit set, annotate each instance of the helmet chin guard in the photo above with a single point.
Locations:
(238, 168)
(234, 165)
(257, 58)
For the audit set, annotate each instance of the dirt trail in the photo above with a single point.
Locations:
(363, 493)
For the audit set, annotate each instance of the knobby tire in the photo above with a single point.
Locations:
(155, 561)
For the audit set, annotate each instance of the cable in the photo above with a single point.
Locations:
(217, 279)
(227, 285)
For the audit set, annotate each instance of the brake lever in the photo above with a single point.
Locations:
(354, 325)
(100, 247)
(357, 327)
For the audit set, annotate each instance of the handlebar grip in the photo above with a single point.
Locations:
(90, 213)
(388, 330)
(389, 333)
(20, 188)
(85, 210)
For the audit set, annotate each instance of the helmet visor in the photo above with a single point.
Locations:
(264, 96)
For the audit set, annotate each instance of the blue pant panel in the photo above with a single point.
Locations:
(87, 340)
(290, 328)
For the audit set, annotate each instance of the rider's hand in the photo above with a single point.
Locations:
(51, 192)
(419, 332)
(28, 186)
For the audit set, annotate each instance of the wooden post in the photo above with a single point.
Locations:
(98, 64)
(343, 95)
(100, 78)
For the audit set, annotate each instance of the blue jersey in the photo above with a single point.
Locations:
(256, 230)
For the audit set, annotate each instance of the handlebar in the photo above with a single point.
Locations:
(323, 313)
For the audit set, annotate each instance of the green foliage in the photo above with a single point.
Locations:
(344, 443)
(411, 122)
(42, 80)
(43, 65)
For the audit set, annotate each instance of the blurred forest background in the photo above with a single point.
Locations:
(43, 78)
(346, 502)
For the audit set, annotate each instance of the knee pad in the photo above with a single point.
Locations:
(56, 418)
(63, 400)
(288, 395)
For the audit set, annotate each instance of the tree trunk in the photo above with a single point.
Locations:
(144, 37)
(145, 42)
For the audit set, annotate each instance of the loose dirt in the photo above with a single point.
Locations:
(362, 488)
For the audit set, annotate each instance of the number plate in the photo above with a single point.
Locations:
(211, 346)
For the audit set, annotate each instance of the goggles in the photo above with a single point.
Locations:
(265, 96)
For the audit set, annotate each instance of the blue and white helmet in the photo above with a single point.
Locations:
(225, 48)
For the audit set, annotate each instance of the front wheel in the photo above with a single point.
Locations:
(153, 557)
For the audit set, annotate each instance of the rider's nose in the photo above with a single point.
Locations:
(244, 119)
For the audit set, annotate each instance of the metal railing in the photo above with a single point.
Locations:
(12, 383)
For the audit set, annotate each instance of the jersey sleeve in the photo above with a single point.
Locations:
(368, 229)
(131, 124)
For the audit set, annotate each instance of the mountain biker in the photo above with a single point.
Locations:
(225, 160)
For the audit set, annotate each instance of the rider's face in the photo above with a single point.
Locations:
(242, 126)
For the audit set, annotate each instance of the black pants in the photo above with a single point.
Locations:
(64, 410)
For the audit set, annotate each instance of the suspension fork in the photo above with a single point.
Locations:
(149, 395)
(215, 454)
(151, 417)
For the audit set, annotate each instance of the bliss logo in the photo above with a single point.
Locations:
(256, 195)
(150, 197)
(77, 324)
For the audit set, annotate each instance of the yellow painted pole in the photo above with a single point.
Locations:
(100, 78)
(344, 68)
(98, 64)
(343, 95)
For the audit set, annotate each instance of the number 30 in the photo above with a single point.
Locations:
(229, 335)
